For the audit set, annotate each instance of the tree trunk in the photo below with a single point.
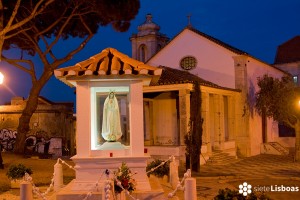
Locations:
(1, 29)
(30, 107)
(264, 126)
(297, 143)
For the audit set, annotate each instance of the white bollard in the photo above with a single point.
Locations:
(174, 177)
(58, 177)
(190, 192)
(25, 191)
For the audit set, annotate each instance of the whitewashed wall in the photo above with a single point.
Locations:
(215, 63)
(257, 69)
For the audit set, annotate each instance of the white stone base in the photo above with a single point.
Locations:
(91, 171)
(156, 193)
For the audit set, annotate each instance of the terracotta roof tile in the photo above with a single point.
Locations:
(171, 76)
(107, 64)
(289, 51)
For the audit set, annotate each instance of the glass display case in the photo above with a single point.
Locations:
(110, 122)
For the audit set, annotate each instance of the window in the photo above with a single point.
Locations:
(286, 131)
(295, 79)
(142, 53)
(188, 63)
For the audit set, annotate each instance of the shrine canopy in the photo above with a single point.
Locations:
(110, 64)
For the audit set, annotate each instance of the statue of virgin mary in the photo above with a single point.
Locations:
(111, 126)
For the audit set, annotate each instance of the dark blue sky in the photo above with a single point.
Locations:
(254, 26)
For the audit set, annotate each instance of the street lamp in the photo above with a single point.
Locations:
(1, 78)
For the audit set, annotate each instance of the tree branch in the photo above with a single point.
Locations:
(85, 25)
(16, 62)
(34, 12)
(37, 49)
(11, 19)
(7, 36)
(52, 55)
(56, 21)
(70, 55)
(60, 31)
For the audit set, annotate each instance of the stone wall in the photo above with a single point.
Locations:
(51, 122)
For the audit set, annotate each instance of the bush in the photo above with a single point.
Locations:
(228, 194)
(160, 171)
(18, 171)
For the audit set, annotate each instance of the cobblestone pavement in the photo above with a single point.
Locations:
(257, 167)
(259, 171)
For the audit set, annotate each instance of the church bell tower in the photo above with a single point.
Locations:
(148, 40)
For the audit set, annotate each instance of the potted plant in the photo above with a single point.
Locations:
(16, 173)
(160, 172)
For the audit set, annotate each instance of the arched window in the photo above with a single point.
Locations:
(142, 53)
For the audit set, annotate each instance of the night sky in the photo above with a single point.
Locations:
(254, 26)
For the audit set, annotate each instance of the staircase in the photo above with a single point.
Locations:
(274, 148)
(219, 157)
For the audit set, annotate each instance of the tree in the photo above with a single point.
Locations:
(193, 139)
(279, 99)
(41, 35)
(9, 27)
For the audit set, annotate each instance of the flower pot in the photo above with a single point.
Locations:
(15, 183)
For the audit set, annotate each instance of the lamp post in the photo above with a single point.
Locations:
(1, 78)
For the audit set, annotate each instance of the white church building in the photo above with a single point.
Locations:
(229, 83)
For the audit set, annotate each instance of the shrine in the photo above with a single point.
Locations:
(109, 103)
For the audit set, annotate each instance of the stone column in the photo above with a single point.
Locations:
(241, 82)
(184, 114)
(206, 122)
(231, 117)
(219, 120)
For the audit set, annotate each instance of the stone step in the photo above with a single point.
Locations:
(279, 148)
(220, 158)
(230, 161)
(218, 155)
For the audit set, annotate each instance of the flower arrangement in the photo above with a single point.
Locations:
(123, 177)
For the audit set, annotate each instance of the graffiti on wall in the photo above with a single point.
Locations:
(33, 144)
(41, 145)
(8, 139)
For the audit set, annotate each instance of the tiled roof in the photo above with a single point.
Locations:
(43, 100)
(108, 64)
(171, 76)
(289, 51)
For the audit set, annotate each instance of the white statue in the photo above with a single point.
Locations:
(111, 126)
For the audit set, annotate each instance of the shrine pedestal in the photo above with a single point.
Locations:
(90, 171)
